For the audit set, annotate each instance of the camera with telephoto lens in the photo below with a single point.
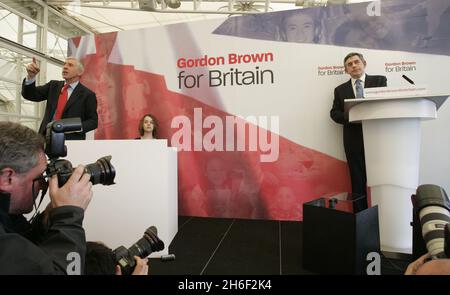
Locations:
(431, 218)
(148, 244)
(102, 171)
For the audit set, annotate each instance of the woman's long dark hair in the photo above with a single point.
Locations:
(155, 125)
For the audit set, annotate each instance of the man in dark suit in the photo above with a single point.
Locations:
(65, 99)
(355, 65)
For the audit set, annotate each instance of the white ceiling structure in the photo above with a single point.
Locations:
(115, 15)
(41, 28)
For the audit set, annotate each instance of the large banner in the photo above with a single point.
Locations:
(246, 100)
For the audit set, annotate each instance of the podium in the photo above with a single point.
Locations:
(145, 192)
(391, 128)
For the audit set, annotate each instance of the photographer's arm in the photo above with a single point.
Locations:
(44, 248)
(65, 241)
(25, 258)
(65, 234)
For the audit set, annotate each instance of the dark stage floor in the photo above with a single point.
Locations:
(215, 246)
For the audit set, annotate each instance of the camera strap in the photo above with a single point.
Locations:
(43, 192)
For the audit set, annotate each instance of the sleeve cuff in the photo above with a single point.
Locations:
(29, 82)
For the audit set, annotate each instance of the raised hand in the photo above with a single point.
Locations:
(32, 69)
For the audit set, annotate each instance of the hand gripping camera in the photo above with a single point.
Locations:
(144, 247)
(102, 171)
(431, 218)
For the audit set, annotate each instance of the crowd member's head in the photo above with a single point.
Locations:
(301, 26)
(100, 260)
(148, 127)
(22, 163)
(355, 64)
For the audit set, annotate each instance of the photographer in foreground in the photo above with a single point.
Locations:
(127, 261)
(43, 246)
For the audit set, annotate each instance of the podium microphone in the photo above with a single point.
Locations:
(408, 79)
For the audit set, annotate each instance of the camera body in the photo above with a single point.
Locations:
(431, 221)
(145, 246)
(102, 171)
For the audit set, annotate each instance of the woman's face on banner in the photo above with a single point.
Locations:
(299, 28)
(358, 38)
(285, 198)
(216, 172)
(376, 26)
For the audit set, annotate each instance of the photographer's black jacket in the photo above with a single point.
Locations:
(37, 249)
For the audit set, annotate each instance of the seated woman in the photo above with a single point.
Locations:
(148, 127)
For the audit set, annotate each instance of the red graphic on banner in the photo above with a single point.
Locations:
(234, 184)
